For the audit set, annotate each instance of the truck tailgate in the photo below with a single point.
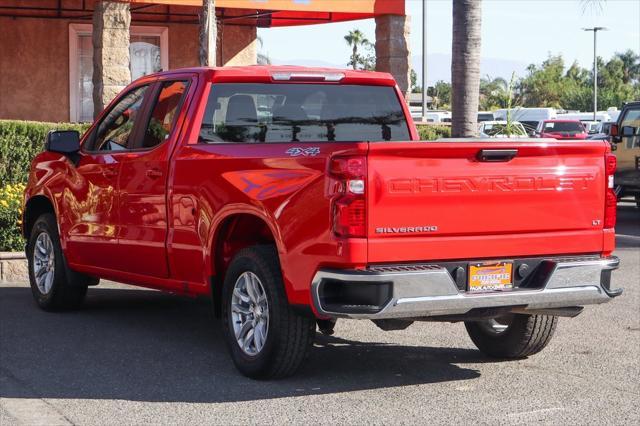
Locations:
(438, 200)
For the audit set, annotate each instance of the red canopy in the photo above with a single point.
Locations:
(262, 13)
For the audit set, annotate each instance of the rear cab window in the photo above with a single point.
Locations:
(285, 112)
(563, 126)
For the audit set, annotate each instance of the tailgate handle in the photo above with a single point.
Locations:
(495, 155)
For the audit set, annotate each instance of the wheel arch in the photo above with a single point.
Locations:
(34, 208)
(233, 230)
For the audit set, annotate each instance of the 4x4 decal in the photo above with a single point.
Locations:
(304, 152)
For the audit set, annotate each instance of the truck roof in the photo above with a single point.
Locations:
(265, 73)
(562, 120)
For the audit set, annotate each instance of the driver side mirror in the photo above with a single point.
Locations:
(63, 141)
(613, 132)
(627, 131)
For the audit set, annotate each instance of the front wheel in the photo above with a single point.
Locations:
(512, 335)
(53, 285)
(266, 338)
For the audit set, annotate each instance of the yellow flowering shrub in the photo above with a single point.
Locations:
(10, 217)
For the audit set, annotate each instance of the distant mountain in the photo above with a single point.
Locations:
(438, 66)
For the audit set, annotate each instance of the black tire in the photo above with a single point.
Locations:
(525, 335)
(68, 288)
(289, 335)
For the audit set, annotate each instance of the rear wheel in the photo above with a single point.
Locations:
(53, 285)
(266, 338)
(513, 335)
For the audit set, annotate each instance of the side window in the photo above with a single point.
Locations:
(632, 118)
(164, 113)
(116, 127)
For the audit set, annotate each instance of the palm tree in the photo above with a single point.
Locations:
(355, 39)
(263, 58)
(465, 67)
(631, 69)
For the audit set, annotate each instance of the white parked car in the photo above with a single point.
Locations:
(501, 129)
(591, 126)
(431, 116)
(529, 117)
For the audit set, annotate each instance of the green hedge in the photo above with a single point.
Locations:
(431, 132)
(20, 141)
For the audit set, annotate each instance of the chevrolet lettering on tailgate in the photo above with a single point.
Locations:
(490, 184)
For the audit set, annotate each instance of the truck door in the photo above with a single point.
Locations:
(91, 202)
(143, 182)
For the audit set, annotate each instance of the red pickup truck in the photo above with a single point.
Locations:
(295, 196)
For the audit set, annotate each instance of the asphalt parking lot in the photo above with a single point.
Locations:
(135, 356)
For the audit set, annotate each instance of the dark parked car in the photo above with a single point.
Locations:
(626, 134)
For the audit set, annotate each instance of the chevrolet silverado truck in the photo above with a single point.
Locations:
(293, 197)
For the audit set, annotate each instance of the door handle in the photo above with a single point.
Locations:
(154, 173)
(496, 155)
(109, 173)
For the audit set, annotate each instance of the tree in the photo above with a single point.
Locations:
(494, 93)
(631, 65)
(544, 85)
(262, 58)
(368, 60)
(548, 85)
(465, 67)
(414, 82)
(208, 34)
(440, 94)
(356, 39)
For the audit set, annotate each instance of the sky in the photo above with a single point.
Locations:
(515, 33)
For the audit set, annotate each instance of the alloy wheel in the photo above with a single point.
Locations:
(250, 313)
(44, 263)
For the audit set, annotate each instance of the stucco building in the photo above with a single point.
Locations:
(61, 59)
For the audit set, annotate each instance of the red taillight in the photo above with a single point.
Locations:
(349, 202)
(610, 209)
(349, 217)
(349, 167)
(611, 164)
(611, 201)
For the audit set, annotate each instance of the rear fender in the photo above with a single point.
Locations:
(213, 262)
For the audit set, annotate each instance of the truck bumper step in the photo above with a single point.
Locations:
(418, 291)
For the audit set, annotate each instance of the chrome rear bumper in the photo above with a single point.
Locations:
(429, 290)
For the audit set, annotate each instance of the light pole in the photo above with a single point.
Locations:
(595, 67)
(424, 60)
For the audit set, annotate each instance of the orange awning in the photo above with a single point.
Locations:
(263, 13)
(335, 6)
(279, 13)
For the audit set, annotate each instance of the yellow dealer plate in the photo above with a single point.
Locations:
(490, 276)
